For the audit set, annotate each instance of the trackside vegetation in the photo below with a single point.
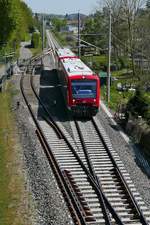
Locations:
(16, 22)
(16, 25)
(130, 60)
(13, 208)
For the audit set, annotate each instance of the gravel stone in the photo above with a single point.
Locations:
(49, 205)
(128, 155)
(50, 208)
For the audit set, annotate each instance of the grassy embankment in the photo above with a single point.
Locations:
(13, 208)
(61, 37)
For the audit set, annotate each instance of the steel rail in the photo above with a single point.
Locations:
(120, 175)
(54, 44)
(92, 179)
(73, 205)
(51, 122)
(91, 169)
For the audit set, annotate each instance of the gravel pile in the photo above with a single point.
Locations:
(128, 156)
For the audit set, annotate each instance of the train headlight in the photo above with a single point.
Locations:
(73, 100)
(94, 100)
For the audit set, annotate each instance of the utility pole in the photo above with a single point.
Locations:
(43, 32)
(109, 59)
(79, 53)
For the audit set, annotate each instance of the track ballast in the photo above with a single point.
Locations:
(95, 194)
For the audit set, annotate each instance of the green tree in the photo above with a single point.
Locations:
(58, 23)
(15, 21)
(138, 104)
(148, 4)
(8, 19)
(26, 14)
(95, 24)
(35, 41)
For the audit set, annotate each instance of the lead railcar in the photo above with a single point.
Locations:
(80, 85)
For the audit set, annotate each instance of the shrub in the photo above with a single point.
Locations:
(139, 105)
(35, 41)
(122, 63)
(96, 66)
(147, 116)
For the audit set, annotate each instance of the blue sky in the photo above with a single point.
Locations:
(63, 6)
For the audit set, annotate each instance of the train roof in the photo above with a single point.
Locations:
(65, 52)
(74, 66)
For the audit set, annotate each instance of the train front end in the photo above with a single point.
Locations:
(84, 95)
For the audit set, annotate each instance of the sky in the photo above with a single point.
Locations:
(63, 6)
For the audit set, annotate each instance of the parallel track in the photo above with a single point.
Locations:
(104, 163)
(69, 198)
(71, 176)
(108, 172)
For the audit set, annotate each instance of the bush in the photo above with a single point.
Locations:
(35, 41)
(96, 66)
(147, 116)
(145, 141)
(139, 105)
(122, 63)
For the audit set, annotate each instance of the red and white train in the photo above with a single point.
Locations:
(80, 85)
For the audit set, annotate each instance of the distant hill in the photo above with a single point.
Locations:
(70, 17)
(48, 16)
(75, 16)
(56, 15)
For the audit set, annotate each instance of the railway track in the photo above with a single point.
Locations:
(89, 172)
(50, 140)
(53, 133)
(104, 162)
(109, 171)
(52, 43)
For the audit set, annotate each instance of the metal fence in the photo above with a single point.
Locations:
(6, 71)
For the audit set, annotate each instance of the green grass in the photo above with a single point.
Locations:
(116, 97)
(36, 51)
(102, 59)
(27, 37)
(10, 180)
(61, 37)
(147, 95)
(119, 73)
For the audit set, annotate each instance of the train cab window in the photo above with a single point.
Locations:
(83, 89)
